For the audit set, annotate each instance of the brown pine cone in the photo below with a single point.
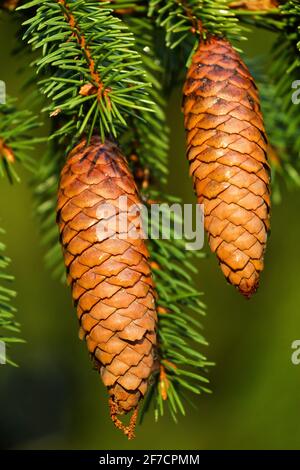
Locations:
(227, 152)
(108, 270)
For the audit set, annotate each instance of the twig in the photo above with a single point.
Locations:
(99, 85)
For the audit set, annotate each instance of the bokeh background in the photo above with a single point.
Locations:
(54, 400)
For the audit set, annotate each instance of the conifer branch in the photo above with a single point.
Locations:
(96, 79)
(89, 68)
(181, 18)
(284, 72)
(45, 199)
(15, 144)
(15, 129)
(9, 327)
(282, 154)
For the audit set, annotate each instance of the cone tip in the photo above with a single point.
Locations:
(247, 290)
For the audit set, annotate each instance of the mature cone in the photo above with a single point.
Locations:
(227, 152)
(108, 268)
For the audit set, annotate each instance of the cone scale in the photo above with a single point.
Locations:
(227, 153)
(109, 271)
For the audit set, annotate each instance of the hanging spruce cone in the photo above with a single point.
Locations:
(227, 152)
(108, 270)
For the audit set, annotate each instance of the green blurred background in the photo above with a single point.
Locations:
(54, 400)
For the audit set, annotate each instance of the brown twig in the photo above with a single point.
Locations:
(99, 88)
(195, 22)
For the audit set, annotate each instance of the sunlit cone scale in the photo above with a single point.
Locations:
(108, 269)
(227, 153)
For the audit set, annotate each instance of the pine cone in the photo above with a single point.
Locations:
(227, 152)
(109, 272)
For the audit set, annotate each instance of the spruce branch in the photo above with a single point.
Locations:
(45, 200)
(9, 327)
(282, 134)
(147, 135)
(183, 18)
(15, 144)
(180, 308)
(91, 72)
(284, 71)
(46, 170)
(15, 139)
(98, 86)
